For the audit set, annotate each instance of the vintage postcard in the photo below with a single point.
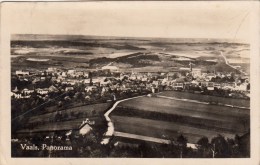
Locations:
(173, 80)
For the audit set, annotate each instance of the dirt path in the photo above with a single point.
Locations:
(226, 61)
(110, 125)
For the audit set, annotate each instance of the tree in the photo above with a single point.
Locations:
(219, 147)
(182, 144)
(203, 145)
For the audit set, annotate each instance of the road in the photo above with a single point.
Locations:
(226, 61)
(110, 125)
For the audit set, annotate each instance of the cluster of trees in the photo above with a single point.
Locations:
(89, 146)
(218, 147)
(223, 80)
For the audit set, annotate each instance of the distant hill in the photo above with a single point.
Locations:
(35, 37)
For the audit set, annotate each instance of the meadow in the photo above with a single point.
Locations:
(167, 118)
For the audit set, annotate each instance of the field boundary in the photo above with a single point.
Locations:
(148, 138)
(201, 102)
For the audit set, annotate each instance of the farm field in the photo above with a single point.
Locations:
(88, 110)
(46, 122)
(213, 112)
(206, 98)
(57, 126)
(162, 117)
(162, 129)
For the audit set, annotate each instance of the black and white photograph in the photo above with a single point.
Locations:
(130, 80)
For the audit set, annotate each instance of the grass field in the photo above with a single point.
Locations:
(88, 110)
(207, 98)
(161, 129)
(57, 126)
(212, 112)
(46, 122)
(193, 120)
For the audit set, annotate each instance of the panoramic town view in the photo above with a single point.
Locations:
(101, 96)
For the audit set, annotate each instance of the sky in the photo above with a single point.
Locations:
(132, 19)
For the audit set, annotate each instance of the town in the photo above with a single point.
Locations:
(109, 83)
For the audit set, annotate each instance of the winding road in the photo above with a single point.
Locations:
(226, 61)
(110, 125)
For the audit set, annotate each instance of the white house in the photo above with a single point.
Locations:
(69, 88)
(196, 72)
(71, 71)
(20, 72)
(42, 91)
(109, 67)
(90, 88)
(51, 69)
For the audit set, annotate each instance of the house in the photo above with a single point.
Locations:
(105, 83)
(111, 68)
(43, 91)
(156, 83)
(210, 86)
(53, 79)
(97, 81)
(64, 74)
(241, 87)
(90, 88)
(196, 72)
(69, 89)
(80, 73)
(86, 81)
(43, 78)
(144, 79)
(177, 86)
(71, 82)
(51, 69)
(104, 89)
(133, 77)
(209, 76)
(217, 85)
(22, 73)
(86, 74)
(53, 89)
(71, 72)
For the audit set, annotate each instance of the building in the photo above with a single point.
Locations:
(196, 72)
(90, 88)
(111, 68)
(53, 89)
(52, 70)
(22, 73)
(69, 89)
(71, 72)
(42, 91)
